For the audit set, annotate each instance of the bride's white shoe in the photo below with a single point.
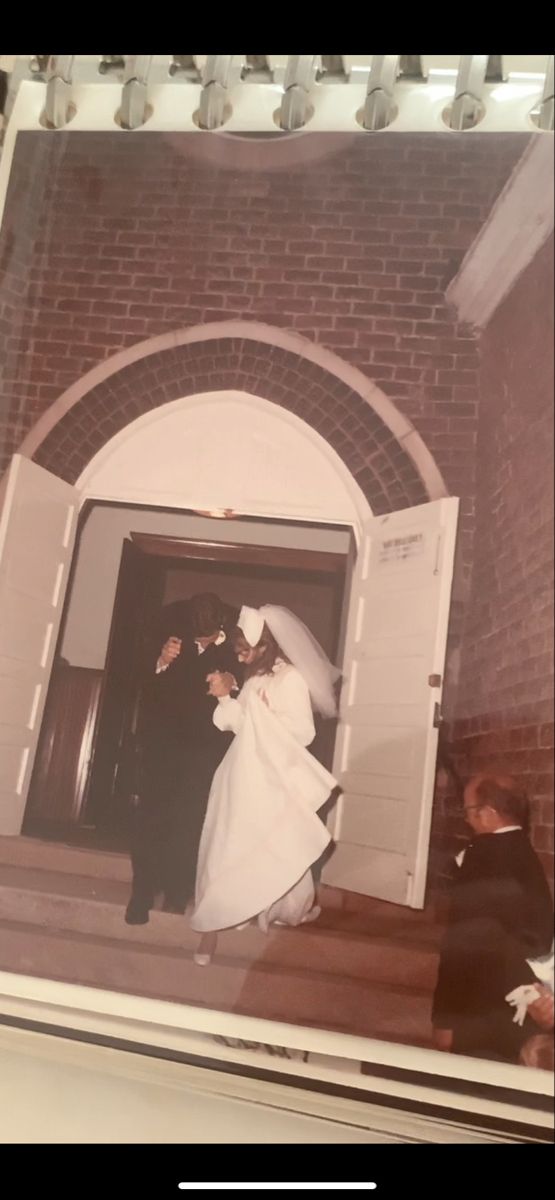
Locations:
(202, 960)
(312, 915)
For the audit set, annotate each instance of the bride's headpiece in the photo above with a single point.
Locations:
(299, 646)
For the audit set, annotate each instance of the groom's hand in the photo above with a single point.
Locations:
(170, 651)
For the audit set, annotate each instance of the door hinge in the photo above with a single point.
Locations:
(438, 719)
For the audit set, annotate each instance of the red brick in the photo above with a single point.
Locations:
(339, 338)
(406, 267)
(394, 325)
(441, 329)
(457, 378)
(419, 312)
(75, 306)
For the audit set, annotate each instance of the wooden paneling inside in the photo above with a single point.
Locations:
(59, 783)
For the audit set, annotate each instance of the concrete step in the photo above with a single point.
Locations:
(264, 989)
(57, 856)
(39, 854)
(366, 966)
(335, 945)
(55, 860)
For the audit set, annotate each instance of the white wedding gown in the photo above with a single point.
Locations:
(261, 833)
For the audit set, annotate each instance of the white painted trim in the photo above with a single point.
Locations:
(103, 1070)
(520, 222)
(420, 107)
(6, 157)
(183, 1028)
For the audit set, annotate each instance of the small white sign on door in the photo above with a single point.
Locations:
(396, 549)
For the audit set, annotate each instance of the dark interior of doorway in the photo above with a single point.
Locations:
(155, 571)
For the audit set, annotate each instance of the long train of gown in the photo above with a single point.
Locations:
(261, 833)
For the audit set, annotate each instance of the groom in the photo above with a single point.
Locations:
(181, 749)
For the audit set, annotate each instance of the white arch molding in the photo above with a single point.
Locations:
(226, 450)
(255, 332)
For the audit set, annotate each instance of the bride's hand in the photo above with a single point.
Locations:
(220, 684)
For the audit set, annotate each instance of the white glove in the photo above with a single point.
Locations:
(520, 998)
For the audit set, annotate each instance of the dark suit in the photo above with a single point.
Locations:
(501, 914)
(180, 750)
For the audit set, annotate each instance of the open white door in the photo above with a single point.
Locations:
(387, 740)
(37, 530)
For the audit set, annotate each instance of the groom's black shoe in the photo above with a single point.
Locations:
(136, 913)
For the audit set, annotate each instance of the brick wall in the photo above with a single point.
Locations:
(17, 260)
(353, 248)
(505, 697)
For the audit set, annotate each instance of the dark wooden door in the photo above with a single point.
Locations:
(59, 784)
(115, 757)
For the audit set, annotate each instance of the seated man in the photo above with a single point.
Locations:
(500, 916)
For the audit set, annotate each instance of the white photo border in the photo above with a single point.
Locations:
(334, 1059)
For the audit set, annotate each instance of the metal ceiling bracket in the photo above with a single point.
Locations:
(58, 90)
(545, 117)
(333, 69)
(469, 88)
(214, 97)
(299, 78)
(379, 105)
(134, 96)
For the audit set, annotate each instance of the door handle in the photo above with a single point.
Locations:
(438, 719)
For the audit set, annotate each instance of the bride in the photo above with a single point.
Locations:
(261, 833)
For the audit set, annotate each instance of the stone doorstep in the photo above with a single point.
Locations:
(261, 989)
(318, 948)
(85, 892)
(57, 900)
(36, 854)
(390, 920)
(63, 883)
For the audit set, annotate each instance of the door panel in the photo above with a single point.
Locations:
(37, 532)
(387, 741)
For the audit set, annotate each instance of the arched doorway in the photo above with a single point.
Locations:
(128, 438)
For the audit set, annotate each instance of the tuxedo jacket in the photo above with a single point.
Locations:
(501, 877)
(501, 914)
(176, 708)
